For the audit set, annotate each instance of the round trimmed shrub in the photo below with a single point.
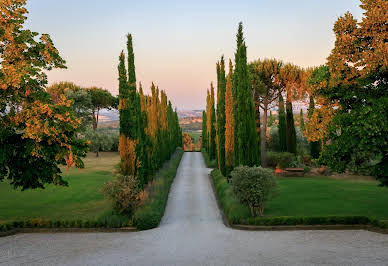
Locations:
(253, 186)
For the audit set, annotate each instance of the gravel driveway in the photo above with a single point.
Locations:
(192, 233)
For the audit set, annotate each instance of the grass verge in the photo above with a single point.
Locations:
(149, 214)
(238, 214)
(209, 163)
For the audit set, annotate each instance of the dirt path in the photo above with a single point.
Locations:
(192, 233)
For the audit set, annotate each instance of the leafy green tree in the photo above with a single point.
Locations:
(81, 101)
(244, 113)
(290, 128)
(282, 125)
(221, 89)
(358, 82)
(38, 133)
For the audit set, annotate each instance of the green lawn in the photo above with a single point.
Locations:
(320, 196)
(82, 199)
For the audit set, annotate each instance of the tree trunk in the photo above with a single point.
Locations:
(263, 135)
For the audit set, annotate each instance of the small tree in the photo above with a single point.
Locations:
(253, 186)
(100, 99)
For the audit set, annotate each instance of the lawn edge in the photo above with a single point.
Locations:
(336, 226)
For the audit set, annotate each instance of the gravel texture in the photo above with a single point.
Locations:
(192, 233)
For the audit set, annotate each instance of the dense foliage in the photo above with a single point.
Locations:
(149, 128)
(38, 133)
(253, 186)
(358, 68)
(124, 192)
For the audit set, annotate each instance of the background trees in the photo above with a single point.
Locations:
(266, 88)
(37, 131)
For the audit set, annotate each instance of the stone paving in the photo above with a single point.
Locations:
(192, 233)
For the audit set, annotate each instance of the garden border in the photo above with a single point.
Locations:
(353, 222)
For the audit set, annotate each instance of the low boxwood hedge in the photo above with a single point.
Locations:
(44, 223)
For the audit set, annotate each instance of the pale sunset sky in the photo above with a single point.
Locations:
(177, 43)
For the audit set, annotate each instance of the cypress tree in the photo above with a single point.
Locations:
(315, 146)
(221, 88)
(290, 128)
(301, 121)
(282, 125)
(212, 117)
(204, 130)
(229, 128)
(247, 152)
(129, 107)
(208, 122)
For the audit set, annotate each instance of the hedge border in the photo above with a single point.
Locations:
(57, 226)
(150, 214)
(281, 223)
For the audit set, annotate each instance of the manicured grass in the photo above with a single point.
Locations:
(308, 197)
(319, 196)
(82, 199)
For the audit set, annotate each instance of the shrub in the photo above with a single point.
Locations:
(232, 207)
(283, 159)
(124, 193)
(253, 186)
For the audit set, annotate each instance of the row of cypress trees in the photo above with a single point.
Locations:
(149, 127)
(286, 127)
(230, 136)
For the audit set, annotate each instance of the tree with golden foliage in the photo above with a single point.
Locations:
(358, 67)
(38, 133)
(229, 125)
